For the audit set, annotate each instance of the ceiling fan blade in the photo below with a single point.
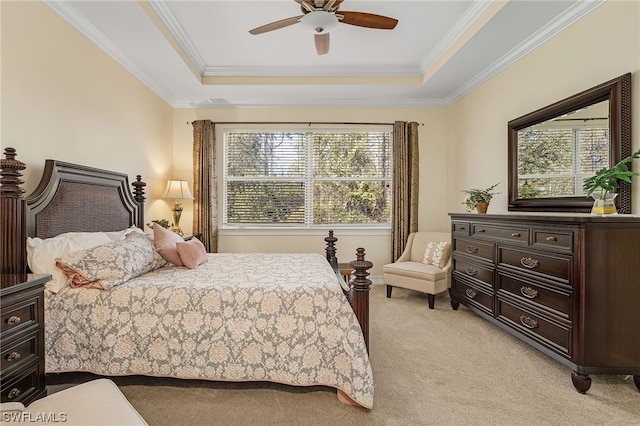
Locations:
(368, 20)
(276, 25)
(322, 43)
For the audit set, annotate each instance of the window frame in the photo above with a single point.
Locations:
(308, 227)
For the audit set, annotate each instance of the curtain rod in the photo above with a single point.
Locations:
(299, 122)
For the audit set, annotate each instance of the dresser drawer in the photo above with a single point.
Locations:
(20, 352)
(552, 335)
(473, 296)
(518, 235)
(536, 294)
(19, 316)
(554, 267)
(560, 241)
(474, 248)
(474, 271)
(461, 228)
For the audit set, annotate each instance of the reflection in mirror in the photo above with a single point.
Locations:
(557, 155)
(554, 149)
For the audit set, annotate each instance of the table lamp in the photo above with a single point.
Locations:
(178, 190)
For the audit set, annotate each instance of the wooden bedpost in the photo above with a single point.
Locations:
(13, 233)
(138, 195)
(360, 287)
(331, 250)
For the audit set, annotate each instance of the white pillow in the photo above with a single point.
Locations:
(42, 254)
(120, 235)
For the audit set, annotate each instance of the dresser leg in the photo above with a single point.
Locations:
(636, 380)
(582, 382)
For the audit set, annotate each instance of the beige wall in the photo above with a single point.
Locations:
(65, 99)
(603, 45)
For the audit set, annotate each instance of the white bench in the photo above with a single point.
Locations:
(98, 402)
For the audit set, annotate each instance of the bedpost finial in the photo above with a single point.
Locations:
(360, 265)
(10, 174)
(138, 189)
(331, 249)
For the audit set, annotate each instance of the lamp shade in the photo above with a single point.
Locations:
(177, 190)
(319, 22)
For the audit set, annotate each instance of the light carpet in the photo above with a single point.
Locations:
(431, 367)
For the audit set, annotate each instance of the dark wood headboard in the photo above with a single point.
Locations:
(69, 198)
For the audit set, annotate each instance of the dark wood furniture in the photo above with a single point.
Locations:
(22, 337)
(568, 285)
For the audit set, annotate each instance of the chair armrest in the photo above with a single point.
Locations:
(406, 254)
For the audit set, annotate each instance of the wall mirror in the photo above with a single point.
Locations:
(554, 149)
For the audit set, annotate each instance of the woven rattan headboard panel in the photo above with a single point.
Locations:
(76, 198)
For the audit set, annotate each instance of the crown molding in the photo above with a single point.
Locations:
(69, 14)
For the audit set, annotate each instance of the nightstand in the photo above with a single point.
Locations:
(22, 337)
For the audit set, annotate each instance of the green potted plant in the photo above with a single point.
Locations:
(479, 199)
(162, 222)
(602, 185)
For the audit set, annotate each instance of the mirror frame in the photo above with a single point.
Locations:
(618, 93)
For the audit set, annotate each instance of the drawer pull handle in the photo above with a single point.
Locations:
(462, 228)
(471, 272)
(14, 320)
(552, 239)
(13, 356)
(528, 322)
(14, 393)
(480, 230)
(529, 292)
(515, 234)
(529, 262)
(472, 249)
(470, 293)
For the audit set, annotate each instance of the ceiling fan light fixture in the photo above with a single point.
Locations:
(319, 22)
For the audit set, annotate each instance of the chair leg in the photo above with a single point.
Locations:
(389, 288)
(432, 300)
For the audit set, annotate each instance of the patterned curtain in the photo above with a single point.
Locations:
(205, 203)
(404, 217)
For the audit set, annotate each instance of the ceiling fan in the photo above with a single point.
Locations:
(321, 16)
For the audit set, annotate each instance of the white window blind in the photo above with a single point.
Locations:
(307, 178)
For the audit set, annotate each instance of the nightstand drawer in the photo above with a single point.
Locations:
(23, 386)
(19, 316)
(19, 352)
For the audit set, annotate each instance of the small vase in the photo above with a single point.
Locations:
(482, 207)
(604, 205)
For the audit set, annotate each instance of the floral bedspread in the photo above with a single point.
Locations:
(238, 317)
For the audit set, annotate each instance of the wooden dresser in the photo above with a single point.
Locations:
(567, 284)
(22, 337)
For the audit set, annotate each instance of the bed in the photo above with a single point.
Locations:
(278, 317)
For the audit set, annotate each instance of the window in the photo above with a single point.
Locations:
(307, 178)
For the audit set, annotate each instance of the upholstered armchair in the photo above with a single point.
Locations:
(419, 269)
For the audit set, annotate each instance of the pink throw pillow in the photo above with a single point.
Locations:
(165, 242)
(192, 253)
